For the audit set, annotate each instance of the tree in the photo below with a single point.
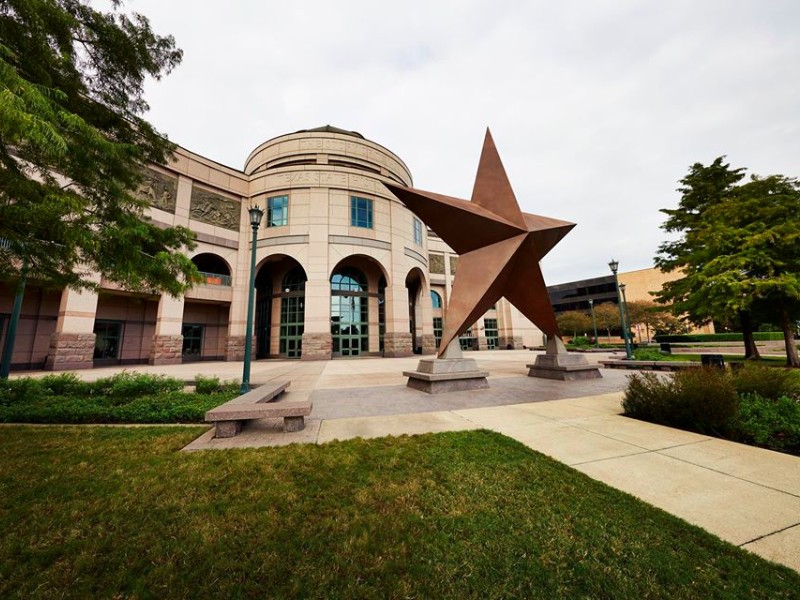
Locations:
(73, 146)
(742, 255)
(654, 317)
(607, 317)
(574, 321)
(691, 296)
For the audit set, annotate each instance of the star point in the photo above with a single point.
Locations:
(499, 247)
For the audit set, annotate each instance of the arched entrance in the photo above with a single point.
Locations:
(358, 314)
(414, 285)
(280, 307)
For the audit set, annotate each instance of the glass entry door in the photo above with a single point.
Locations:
(292, 319)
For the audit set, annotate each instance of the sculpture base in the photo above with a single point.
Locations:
(563, 367)
(439, 375)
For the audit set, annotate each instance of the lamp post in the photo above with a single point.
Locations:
(614, 266)
(627, 317)
(256, 213)
(594, 322)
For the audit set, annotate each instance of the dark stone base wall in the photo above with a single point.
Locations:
(515, 342)
(428, 344)
(166, 350)
(396, 345)
(234, 348)
(70, 351)
(317, 346)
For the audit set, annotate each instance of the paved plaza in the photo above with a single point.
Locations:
(747, 496)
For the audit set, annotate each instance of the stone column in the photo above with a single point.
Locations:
(397, 340)
(72, 344)
(167, 347)
(317, 341)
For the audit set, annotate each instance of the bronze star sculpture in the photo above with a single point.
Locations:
(499, 247)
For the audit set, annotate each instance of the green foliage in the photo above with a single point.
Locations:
(73, 145)
(702, 400)
(650, 354)
(100, 512)
(122, 398)
(212, 385)
(573, 322)
(607, 317)
(761, 336)
(766, 382)
(739, 249)
(580, 342)
(773, 423)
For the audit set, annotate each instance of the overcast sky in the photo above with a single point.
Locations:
(597, 107)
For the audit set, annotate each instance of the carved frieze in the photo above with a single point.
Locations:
(333, 179)
(159, 190)
(453, 261)
(436, 264)
(211, 208)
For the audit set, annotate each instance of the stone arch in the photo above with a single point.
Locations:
(418, 300)
(357, 295)
(214, 269)
(280, 307)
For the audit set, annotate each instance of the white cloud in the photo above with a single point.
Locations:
(598, 109)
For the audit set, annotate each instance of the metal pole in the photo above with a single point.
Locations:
(594, 323)
(8, 347)
(245, 387)
(626, 324)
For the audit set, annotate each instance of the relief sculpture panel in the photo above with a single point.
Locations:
(211, 208)
(158, 190)
(436, 264)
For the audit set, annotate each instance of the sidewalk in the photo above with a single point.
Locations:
(747, 496)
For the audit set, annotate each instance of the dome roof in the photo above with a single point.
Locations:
(331, 129)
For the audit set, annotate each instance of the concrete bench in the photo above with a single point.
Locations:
(649, 365)
(258, 404)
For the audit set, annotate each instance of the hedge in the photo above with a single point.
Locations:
(759, 336)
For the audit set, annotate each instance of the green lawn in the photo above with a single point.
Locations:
(88, 512)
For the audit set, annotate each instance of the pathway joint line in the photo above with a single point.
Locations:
(766, 535)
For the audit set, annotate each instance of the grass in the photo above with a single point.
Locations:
(116, 512)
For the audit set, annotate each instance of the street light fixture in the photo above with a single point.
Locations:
(256, 214)
(614, 266)
(627, 316)
(594, 322)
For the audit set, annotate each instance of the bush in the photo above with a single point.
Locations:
(127, 385)
(206, 385)
(771, 423)
(648, 354)
(702, 400)
(766, 382)
(580, 342)
(762, 336)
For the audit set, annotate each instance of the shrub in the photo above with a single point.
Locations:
(64, 384)
(126, 385)
(648, 354)
(766, 382)
(580, 341)
(702, 400)
(771, 423)
(206, 385)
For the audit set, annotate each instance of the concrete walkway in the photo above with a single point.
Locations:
(747, 496)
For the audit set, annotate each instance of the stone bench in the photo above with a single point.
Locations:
(650, 365)
(258, 404)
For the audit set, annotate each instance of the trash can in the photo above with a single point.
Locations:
(666, 348)
(713, 360)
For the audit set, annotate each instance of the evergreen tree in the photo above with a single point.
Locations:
(73, 145)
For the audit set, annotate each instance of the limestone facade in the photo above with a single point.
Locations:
(342, 268)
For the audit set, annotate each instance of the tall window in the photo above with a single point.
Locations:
(277, 211)
(192, 341)
(292, 313)
(360, 212)
(349, 312)
(436, 300)
(417, 231)
(108, 335)
(437, 330)
(491, 333)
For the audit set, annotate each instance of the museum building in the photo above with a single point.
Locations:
(343, 268)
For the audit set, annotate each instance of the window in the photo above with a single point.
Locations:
(437, 330)
(108, 335)
(436, 300)
(417, 231)
(490, 331)
(349, 312)
(360, 212)
(192, 341)
(277, 211)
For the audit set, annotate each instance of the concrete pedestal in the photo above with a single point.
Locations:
(558, 364)
(451, 373)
